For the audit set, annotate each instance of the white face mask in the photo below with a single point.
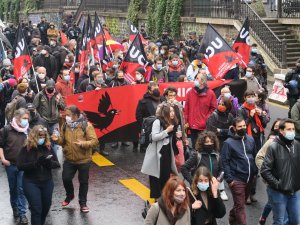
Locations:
(68, 119)
(162, 52)
(77, 70)
(138, 77)
(41, 75)
(43, 52)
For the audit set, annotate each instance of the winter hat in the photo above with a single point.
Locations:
(50, 83)
(12, 82)
(6, 62)
(141, 70)
(22, 88)
(47, 48)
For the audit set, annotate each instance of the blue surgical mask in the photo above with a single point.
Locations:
(254, 50)
(248, 74)
(24, 123)
(203, 186)
(227, 95)
(196, 83)
(290, 135)
(41, 141)
(158, 66)
(67, 78)
(100, 80)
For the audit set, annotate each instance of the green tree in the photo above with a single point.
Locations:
(168, 13)
(159, 18)
(133, 11)
(151, 17)
(175, 18)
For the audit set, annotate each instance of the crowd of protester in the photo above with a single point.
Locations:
(226, 136)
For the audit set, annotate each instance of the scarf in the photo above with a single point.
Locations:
(50, 95)
(256, 117)
(74, 124)
(18, 128)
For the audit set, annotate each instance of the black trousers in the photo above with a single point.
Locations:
(69, 171)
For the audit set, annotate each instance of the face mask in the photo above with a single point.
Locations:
(100, 80)
(67, 78)
(158, 66)
(24, 123)
(289, 135)
(115, 66)
(162, 52)
(179, 198)
(156, 52)
(41, 141)
(67, 60)
(254, 50)
(121, 79)
(138, 77)
(248, 74)
(68, 119)
(7, 68)
(222, 108)
(77, 70)
(208, 148)
(32, 114)
(276, 132)
(203, 186)
(180, 56)
(109, 78)
(241, 132)
(50, 90)
(156, 93)
(250, 100)
(1, 87)
(41, 75)
(52, 43)
(43, 52)
(175, 63)
(196, 83)
(227, 95)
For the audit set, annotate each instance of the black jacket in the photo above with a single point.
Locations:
(49, 63)
(215, 209)
(33, 84)
(281, 166)
(238, 158)
(35, 170)
(11, 141)
(145, 108)
(37, 120)
(211, 161)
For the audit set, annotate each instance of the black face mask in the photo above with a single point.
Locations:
(32, 114)
(50, 90)
(241, 132)
(156, 93)
(121, 79)
(298, 68)
(276, 132)
(208, 148)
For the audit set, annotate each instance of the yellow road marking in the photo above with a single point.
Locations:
(278, 105)
(100, 160)
(139, 189)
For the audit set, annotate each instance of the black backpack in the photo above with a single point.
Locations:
(145, 136)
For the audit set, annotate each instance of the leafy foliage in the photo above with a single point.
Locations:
(168, 13)
(9, 10)
(133, 11)
(175, 18)
(151, 17)
(159, 16)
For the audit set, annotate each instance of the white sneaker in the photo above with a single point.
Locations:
(223, 196)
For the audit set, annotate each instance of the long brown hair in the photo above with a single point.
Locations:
(201, 139)
(168, 195)
(32, 140)
(202, 170)
(164, 115)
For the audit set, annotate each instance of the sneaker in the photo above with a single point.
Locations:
(114, 145)
(16, 212)
(262, 221)
(223, 196)
(84, 208)
(23, 220)
(103, 152)
(248, 202)
(252, 198)
(67, 201)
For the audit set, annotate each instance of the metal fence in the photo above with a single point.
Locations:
(289, 8)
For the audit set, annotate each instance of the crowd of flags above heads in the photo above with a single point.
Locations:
(97, 45)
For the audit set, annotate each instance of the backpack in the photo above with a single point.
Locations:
(146, 209)
(145, 136)
(11, 108)
(199, 157)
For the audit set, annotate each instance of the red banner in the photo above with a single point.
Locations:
(112, 110)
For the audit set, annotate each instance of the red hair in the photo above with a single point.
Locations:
(168, 195)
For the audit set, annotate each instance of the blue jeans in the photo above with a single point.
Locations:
(282, 203)
(54, 129)
(17, 198)
(39, 196)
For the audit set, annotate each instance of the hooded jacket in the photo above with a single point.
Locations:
(175, 71)
(238, 158)
(64, 88)
(199, 107)
(281, 166)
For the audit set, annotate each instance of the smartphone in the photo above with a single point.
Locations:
(49, 156)
(220, 178)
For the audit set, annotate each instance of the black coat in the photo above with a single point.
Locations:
(215, 209)
(49, 63)
(34, 170)
(145, 108)
(281, 166)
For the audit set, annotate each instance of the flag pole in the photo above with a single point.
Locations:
(34, 73)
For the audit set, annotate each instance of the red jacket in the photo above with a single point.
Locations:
(198, 108)
(65, 89)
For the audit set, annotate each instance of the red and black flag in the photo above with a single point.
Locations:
(103, 56)
(21, 57)
(90, 33)
(83, 54)
(242, 44)
(63, 37)
(219, 56)
(133, 31)
(135, 57)
(98, 32)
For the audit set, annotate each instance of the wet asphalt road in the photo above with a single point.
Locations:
(110, 202)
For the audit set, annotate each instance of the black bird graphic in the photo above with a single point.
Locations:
(229, 58)
(237, 49)
(106, 115)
